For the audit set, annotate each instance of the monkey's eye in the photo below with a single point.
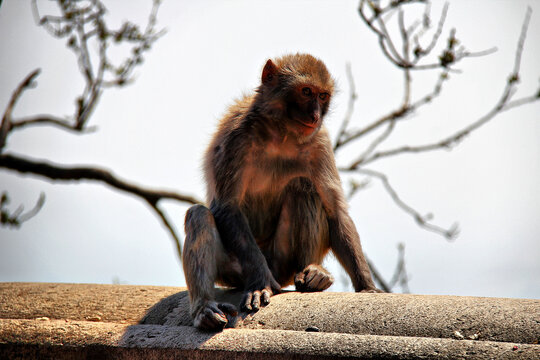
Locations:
(306, 91)
(323, 96)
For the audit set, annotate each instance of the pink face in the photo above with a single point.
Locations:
(309, 105)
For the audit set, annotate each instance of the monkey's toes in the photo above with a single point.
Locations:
(214, 317)
(253, 300)
(229, 309)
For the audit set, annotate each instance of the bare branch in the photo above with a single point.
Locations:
(357, 186)
(41, 120)
(377, 277)
(60, 173)
(399, 277)
(420, 52)
(82, 23)
(503, 104)
(170, 228)
(17, 217)
(6, 125)
(422, 220)
(400, 272)
(405, 42)
(350, 107)
(363, 158)
(378, 141)
(521, 42)
(394, 115)
(450, 56)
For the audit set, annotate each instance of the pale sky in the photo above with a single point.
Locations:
(154, 132)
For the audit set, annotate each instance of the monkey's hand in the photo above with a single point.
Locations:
(258, 293)
(313, 278)
(213, 316)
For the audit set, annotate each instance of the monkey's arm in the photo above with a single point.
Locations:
(345, 244)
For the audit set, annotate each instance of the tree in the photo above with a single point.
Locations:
(83, 24)
(412, 47)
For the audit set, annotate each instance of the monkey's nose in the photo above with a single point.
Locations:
(315, 117)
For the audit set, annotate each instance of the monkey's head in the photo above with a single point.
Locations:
(295, 92)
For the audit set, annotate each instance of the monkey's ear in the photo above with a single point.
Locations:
(269, 72)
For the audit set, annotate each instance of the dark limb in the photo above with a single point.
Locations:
(237, 239)
(345, 244)
(203, 256)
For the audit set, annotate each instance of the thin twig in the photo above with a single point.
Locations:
(350, 106)
(170, 228)
(6, 125)
(502, 105)
(50, 120)
(395, 115)
(362, 159)
(400, 273)
(377, 277)
(421, 220)
(421, 52)
(17, 217)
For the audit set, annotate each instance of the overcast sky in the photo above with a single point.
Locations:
(154, 132)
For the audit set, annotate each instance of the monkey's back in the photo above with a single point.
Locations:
(232, 119)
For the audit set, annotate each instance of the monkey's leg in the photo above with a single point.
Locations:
(203, 253)
(237, 238)
(303, 224)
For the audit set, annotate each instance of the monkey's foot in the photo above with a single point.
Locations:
(215, 316)
(313, 278)
(253, 300)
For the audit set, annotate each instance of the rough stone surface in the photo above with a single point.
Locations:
(69, 321)
(111, 303)
(494, 319)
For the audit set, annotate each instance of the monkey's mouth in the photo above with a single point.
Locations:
(311, 125)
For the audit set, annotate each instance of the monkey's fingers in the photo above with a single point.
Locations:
(299, 279)
(228, 308)
(245, 304)
(315, 279)
(256, 301)
(319, 280)
(266, 297)
(326, 283)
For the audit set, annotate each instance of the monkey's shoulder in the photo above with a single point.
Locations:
(235, 114)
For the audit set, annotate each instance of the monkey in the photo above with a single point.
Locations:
(276, 206)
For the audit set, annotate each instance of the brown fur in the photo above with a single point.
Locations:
(275, 202)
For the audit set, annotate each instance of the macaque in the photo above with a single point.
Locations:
(275, 200)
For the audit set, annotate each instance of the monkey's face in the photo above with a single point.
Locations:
(306, 106)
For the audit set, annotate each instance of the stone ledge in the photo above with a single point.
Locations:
(78, 320)
(57, 338)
